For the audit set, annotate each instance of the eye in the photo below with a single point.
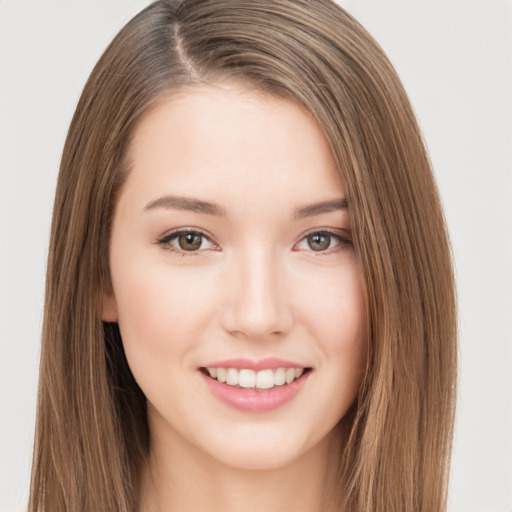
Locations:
(186, 241)
(322, 241)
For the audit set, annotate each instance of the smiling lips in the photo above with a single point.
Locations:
(255, 387)
(251, 379)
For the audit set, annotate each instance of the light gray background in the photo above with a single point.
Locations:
(454, 57)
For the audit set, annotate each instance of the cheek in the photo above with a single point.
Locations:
(161, 313)
(354, 325)
(336, 310)
(337, 320)
(349, 328)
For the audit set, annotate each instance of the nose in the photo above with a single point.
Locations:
(257, 306)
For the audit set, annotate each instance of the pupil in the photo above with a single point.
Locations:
(190, 241)
(319, 241)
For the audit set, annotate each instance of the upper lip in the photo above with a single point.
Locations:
(268, 363)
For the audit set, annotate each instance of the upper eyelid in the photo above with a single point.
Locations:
(178, 231)
(338, 232)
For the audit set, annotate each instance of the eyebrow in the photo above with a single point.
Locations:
(186, 203)
(205, 207)
(323, 207)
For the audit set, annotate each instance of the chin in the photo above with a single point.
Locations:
(269, 448)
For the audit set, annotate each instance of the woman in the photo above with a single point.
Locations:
(249, 295)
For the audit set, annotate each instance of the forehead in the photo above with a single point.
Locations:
(227, 140)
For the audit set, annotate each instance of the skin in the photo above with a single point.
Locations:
(255, 288)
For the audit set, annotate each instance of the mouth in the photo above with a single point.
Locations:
(255, 387)
(255, 380)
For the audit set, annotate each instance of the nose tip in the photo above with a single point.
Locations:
(258, 306)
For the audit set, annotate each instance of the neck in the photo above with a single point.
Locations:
(181, 477)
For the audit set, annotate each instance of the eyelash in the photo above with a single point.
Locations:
(165, 241)
(343, 241)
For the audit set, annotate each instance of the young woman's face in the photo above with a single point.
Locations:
(231, 256)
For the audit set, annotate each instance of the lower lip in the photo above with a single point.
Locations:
(248, 400)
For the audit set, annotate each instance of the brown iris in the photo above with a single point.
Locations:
(319, 241)
(190, 241)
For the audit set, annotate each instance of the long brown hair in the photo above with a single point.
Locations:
(92, 437)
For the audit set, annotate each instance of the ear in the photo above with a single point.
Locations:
(109, 308)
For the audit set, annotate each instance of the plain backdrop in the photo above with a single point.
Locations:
(454, 57)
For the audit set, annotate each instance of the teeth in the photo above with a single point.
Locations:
(265, 379)
(247, 378)
(232, 376)
(280, 377)
(221, 374)
(250, 379)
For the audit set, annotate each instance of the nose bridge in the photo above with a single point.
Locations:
(258, 305)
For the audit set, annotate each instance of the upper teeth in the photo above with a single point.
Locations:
(263, 379)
